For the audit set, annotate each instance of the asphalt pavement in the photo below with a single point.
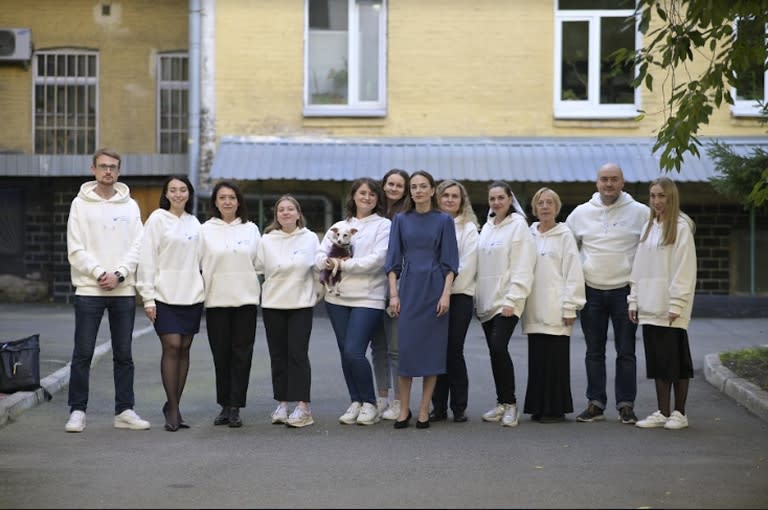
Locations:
(720, 461)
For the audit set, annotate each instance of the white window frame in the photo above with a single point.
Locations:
(590, 108)
(170, 85)
(748, 107)
(355, 107)
(64, 81)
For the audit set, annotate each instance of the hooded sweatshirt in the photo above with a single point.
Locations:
(558, 283)
(103, 235)
(363, 281)
(506, 258)
(169, 264)
(663, 278)
(607, 236)
(466, 238)
(287, 261)
(227, 258)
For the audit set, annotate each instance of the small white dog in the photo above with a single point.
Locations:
(341, 248)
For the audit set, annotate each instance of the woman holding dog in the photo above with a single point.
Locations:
(424, 256)
(356, 309)
(286, 258)
(384, 350)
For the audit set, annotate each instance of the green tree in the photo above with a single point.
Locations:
(676, 30)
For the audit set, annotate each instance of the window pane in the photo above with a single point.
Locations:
(750, 80)
(575, 65)
(596, 4)
(327, 50)
(616, 84)
(369, 50)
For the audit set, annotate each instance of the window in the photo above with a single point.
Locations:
(344, 70)
(751, 88)
(172, 103)
(65, 101)
(587, 32)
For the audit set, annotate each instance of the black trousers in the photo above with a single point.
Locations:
(455, 383)
(288, 333)
(231, 333)
(498, 332)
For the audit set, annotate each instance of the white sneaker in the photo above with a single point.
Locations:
(494, 414)
(128, 419)
(368, 415)
(350, 415)
(653, 421)
(300, 418)
(510, 416)
(76, 422)
(382, 403)
(676, 421)
(393, 411)
(280, 415)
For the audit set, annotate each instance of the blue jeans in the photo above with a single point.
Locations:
(354, 327)
(601, 306)
(89, 310)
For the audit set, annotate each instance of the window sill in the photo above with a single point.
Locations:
(314, 111)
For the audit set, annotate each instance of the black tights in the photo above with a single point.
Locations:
(174, 365)
(663, 395)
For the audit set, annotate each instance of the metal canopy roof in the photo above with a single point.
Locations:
(549, 159)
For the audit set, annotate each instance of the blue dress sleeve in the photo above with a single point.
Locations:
(449, 248)
(394, 260)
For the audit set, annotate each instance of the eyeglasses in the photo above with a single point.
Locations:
(104, 166)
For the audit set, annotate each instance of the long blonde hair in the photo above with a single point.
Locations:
(671, 212)
(466, 214)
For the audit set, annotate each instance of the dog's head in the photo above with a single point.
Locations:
(342, 237)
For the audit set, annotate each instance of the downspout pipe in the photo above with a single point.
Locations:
(193, 140)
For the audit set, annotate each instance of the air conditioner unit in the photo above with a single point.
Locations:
(15, 44)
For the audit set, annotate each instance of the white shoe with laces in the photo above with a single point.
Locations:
(280, 415)
(350, 415)
(676, 421)
(368, 415)
(653, 421)
(300, 417)
(509, 419)
(382, 403)
(393, 411)
(494, 414)
(128, 419)
(76, 422)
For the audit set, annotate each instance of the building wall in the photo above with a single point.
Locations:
(128, 40)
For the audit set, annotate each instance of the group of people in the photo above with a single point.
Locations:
(419, 268)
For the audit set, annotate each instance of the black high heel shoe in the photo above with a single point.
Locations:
(182, 423)
(170, 426)
(422, 424)
(401, 424)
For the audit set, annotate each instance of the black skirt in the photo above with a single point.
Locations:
(178, 319)
(549, 376)
(667, 353)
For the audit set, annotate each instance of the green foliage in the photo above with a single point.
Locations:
(738, 174)
(688, 28)
(750, 364)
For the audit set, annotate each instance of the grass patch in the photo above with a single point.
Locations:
(750, 364)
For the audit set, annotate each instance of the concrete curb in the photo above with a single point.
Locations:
(16, 403)
(742, 391)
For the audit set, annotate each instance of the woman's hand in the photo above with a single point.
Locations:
(151, 312)
(633, 316)
(507, 311)
(568, 321)
(672, 316)
(443, 304)
(394, 305)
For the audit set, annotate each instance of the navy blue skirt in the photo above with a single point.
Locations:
(179, 319)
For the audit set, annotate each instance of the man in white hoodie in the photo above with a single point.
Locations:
(607, 229)
(103, 239)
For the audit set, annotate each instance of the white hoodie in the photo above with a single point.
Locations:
(664, 278)
(607, 236)
(466, 238)
(506, 258)
(287, 261)
(363, 282)
(169, 264)
(103, 236)
(558, 283)
(227, 258)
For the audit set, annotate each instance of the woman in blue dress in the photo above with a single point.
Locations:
(424, 255)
